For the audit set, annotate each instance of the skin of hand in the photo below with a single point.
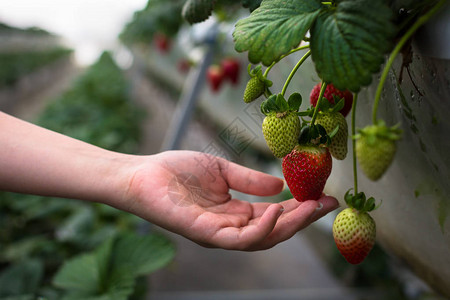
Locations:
(185, 192)
(189, 193)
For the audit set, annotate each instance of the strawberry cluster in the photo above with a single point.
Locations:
(228, 69)
(306, 148)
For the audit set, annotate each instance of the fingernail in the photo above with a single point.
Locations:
(318, 208)
(316, 211)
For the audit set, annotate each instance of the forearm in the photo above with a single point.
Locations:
(38, 161)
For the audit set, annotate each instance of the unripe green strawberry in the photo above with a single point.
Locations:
(255, 88)
(338, 145)
(196, 11)
(375, 149)
(354, 234)
(306, 170)
(257, 84)
(281, 131)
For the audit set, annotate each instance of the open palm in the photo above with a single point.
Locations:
(189, 193)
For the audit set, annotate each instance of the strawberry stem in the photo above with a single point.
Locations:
(316, 109)
(266, 72)
(299, 63)
(420, 21)
(355, 171)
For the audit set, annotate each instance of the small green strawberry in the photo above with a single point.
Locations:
(354, 230)
(257, 84)
(196, 11)
(281, 131)
(375, 149)
(330, 120)
(281, 126)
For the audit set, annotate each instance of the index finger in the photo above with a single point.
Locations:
(250, 181)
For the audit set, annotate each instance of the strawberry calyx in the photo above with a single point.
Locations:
(257, 72)
(277, 104)
(359, 202)
(379, 131)
(314, 134)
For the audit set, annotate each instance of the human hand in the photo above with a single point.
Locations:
(188, 193)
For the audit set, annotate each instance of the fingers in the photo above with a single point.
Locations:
(249, 237)
(249, 181)
(276, 224)
(329, 204)
(290, 222)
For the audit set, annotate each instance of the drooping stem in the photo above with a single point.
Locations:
(355, 171)
(294, 70)
(266, 72)
(316, 109)
(420, 21)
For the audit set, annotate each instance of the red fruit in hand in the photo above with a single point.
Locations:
(215, 77)
(330, 93)
(306, 170)
(231, 69)
(162, 42)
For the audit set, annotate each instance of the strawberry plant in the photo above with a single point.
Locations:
(347, 41)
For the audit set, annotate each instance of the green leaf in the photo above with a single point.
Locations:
(348, 43)
(339, 104)
(143, 254)
(333, 133)
(269, 105)
(81, 273)
(21, 278)
(295, 101)
(275, 28)
(93, 277)
(281, 103)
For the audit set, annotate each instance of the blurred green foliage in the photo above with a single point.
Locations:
(14, 65)
(97, 109)
(92, 248)
(159, 16)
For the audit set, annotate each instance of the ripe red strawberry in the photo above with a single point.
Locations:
(231, 69)
(354, 230)
(215, 77)
(306, 170)
(183, 65)
(162, 42)
(330, 93)
(354, 234)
